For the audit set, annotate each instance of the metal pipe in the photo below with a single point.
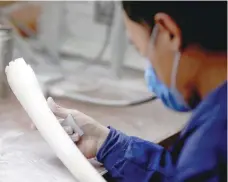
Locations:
(52, 28)
(119, 43)
(61, 93)
(6, 53)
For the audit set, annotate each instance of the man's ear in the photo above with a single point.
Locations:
(167, 24)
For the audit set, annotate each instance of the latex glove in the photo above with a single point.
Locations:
(94, 133)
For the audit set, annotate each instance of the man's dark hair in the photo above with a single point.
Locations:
(202, 23)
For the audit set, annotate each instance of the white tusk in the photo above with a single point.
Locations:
(25, 86)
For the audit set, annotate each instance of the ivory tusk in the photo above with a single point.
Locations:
(25, 86)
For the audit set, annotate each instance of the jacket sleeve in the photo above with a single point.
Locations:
(133, 159)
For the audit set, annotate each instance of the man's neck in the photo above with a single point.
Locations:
(212, 74)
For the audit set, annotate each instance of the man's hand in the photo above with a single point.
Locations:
(94, 133)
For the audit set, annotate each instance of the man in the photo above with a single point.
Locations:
(185, 45)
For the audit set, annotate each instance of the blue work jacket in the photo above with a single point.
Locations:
(200, 153)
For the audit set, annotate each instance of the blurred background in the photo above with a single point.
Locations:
(84, 45)
(82, 57)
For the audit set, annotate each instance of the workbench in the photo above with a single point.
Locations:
(25, 156)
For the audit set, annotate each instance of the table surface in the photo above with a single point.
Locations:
(25, 156)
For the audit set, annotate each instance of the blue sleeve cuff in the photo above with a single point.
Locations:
(113, 148)
(133, 159)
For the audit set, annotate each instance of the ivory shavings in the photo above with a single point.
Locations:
(25, 86)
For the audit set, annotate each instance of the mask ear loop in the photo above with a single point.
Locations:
(154, 35)
(152, 41)
(174, 78)
(176, 58)
(175, 69)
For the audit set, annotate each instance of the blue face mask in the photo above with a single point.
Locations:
(171, 97)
